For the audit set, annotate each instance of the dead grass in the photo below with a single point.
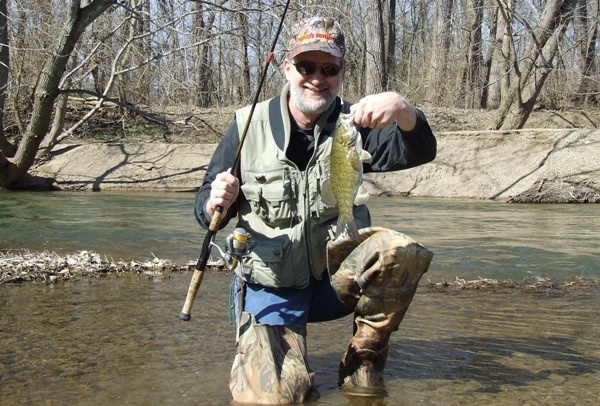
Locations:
(526, 285)
(192, 125)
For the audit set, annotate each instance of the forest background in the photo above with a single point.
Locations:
(171, 70)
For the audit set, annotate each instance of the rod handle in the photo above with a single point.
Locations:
(186, 312)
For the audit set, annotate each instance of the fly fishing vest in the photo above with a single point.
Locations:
(282, 208)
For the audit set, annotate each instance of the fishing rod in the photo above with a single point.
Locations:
(239, 238)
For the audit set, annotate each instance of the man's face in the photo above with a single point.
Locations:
(313, 84)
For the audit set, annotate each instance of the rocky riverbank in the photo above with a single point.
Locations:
(532, 165)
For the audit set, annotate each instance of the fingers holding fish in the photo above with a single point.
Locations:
(382, 109)
(363, 113)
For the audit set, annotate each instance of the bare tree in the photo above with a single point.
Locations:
(79, 17)
(242, 39)
(587, 35)
(436, 88)
(390, 60)
(6, 148)
(376, 74)
(532, 70)
(134, 85)
(490, 86)
(469, 80)
(203, 26)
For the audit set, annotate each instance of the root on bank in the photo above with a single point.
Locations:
(560, 191)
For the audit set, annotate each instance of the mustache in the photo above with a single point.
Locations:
(312, 105)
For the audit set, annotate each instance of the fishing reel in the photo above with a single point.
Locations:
(236, 247)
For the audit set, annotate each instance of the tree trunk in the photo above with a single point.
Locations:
(242, 38)
(489, 61)
(6, 148)
(57, 125)
(436, 89)
(47, 91)
(391, 47)
(376, 69)
(498, 77)
(469, 73)
(587, 36)
(204, 21)
(532, 71)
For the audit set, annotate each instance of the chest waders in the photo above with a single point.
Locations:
(289, 225)
(378, 275)
(271, 362)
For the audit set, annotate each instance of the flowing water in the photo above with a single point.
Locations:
(118, 340)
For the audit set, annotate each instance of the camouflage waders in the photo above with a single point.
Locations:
(271, 365)
(379, 276)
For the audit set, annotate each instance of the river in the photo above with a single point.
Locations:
(118, 340)
(470, 238)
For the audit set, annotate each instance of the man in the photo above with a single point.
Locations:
(283, 284)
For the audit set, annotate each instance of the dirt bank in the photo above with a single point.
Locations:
(469, 164)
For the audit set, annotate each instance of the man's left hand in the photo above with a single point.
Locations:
(382, 109)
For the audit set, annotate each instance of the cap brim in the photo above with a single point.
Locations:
(316, 47)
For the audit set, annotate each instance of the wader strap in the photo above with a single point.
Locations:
(237, 292)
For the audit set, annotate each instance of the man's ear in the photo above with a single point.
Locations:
(287, 65)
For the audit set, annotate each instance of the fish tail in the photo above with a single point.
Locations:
(347, 228)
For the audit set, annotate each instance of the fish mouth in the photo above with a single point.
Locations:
(347, 119)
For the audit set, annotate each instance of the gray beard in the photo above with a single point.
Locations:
(309, 106)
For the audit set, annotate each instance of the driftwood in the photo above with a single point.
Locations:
(49, 267)
(560, 191)
(526, 285)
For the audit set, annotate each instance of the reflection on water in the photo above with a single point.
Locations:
(469, 238)
(119, 341)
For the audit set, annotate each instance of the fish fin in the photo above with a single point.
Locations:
(327, 194)
(362, 196)
(346, 228)
(354, 160)
(365, 157)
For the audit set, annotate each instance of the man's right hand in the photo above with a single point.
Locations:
(224, 190)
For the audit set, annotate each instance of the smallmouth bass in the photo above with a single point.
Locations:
(344, 186)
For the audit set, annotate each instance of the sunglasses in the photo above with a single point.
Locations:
(308, 68)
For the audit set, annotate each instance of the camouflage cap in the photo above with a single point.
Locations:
(317, 34)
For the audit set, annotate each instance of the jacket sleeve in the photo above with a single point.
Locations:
(222, 160)
(392, 149)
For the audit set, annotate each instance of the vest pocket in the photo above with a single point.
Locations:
(328, 209)
(270, 264)
(272, 199)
